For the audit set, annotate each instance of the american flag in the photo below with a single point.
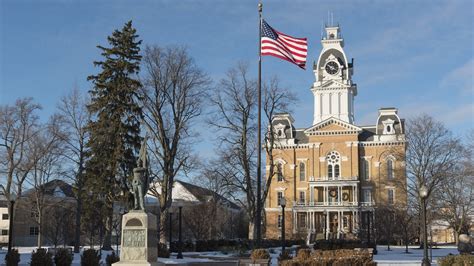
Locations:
(283, 46)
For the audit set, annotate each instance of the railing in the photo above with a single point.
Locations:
(326, 178)
(325, 204)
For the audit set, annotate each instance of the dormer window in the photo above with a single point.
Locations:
(280, 131)
(388, 126)
(58, 193)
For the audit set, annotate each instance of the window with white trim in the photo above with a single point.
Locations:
(34, 231)
(390, 196)
(302, 198)
(366, 195)
(301, 220)
(279, 221)
(302, 172)
(279, 172)
(333, 163)
(365, 169)
(279, 197)
(389, 169)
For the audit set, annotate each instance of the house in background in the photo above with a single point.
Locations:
(205, 214)
(4, 221)
(58, 207)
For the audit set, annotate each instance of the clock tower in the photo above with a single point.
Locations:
(333, 89)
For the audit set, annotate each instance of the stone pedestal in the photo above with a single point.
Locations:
(139, 239)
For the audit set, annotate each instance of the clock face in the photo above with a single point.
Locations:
(332, 67)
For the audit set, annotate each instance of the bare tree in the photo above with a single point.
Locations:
(174, 88)
(18, 124)
(456, 197)
(276, 100)
(46, 151)
(431, 155)
(405, 221)
(57, 228)
(75, 116)
(235, 108)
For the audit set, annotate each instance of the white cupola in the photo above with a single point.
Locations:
(333, 89)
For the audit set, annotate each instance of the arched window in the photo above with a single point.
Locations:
(302, 172)
(389, 169)
(279, 172)
(333, 162)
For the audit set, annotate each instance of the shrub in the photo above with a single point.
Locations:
(340, 244)
(260, 254)
(303, 254)
(90, 257)
(111, 258)
(12, 258)
(63, 257)
(163, 251)
(41, 258)
(331, 257)
(456, 260)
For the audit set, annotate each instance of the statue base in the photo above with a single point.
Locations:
(139, 239)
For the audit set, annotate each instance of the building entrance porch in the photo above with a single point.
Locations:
(337, 224)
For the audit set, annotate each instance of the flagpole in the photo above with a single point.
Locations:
(259, 163)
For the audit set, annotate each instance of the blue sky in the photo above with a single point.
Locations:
(414, 55)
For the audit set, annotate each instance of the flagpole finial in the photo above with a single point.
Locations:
(260, 6)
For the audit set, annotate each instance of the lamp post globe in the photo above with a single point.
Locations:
(423, 192)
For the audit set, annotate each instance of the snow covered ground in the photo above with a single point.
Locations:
(396, 256)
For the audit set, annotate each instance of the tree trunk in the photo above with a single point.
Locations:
(251, 230)
(163, 222)
(77, 233)
(39, 230)
(107, 245)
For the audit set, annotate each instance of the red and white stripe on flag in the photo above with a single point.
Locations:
(283, 46)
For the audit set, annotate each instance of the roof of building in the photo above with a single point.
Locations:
(203, 194)
(55, 188)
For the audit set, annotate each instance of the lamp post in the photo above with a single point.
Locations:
(180, 248)
(171, 228)
(282, 204)
(10, 229)
(423, 196)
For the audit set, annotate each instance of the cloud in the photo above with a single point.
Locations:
(460, 78)
(455, 117)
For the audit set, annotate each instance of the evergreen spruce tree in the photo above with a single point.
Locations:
(115, 125)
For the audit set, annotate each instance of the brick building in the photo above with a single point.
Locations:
(334, 173)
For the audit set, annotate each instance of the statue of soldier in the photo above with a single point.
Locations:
(140, 178)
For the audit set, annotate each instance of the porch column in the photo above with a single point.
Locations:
(311, 195)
